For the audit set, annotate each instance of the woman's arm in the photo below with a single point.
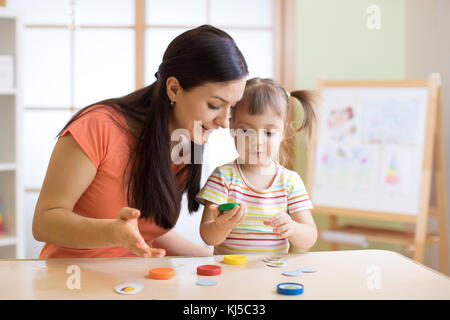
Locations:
(177, 245)
(69, 174)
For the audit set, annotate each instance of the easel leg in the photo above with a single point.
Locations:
(419, 253)
(434, 151)
(332, 223)
(443, 245)
(441, 189)
(420, 238)
(442, 219)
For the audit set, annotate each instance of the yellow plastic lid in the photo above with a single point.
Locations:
(235, 259)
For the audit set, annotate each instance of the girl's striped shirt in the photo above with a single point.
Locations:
(286, 193)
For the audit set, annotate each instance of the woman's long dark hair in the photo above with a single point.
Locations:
(204, 54)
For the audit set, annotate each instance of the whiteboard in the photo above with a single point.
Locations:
(370, 148)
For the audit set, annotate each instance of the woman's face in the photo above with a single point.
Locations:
(203, 109)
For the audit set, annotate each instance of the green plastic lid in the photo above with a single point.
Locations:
(227, 206)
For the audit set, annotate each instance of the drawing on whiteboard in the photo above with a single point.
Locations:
(395, 170)
(349, 168)
(392, 177)
(369, 148)
(341, 124)
(391, 121)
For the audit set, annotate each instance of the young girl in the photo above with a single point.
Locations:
(273, 210)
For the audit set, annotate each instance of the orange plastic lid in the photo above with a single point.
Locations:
(161, 273)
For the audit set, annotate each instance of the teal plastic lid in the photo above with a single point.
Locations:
(227, 206)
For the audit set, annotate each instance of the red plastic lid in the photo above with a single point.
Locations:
(209, 270)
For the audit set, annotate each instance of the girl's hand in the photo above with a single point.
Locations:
(230, 219)
(282, 224)
(127, 234)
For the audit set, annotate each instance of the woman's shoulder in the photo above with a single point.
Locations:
(103, 112)
(100, 131)
(98, 119)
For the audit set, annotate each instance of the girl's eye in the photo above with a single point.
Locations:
(213, 107)
(248, 131)
(269, 133)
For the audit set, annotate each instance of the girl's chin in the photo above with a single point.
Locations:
(254, 161)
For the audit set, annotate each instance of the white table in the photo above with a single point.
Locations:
(353, 274)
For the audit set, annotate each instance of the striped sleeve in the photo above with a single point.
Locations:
(216, 188)
(298, 198)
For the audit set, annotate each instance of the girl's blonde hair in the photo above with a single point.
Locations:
(261, 93)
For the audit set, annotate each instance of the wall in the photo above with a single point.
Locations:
(428, 50)
(333, 41)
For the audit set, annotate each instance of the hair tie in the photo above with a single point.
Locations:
(288, 94)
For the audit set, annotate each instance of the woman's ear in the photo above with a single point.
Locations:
(173, 88)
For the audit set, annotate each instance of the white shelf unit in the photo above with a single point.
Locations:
(12, 239)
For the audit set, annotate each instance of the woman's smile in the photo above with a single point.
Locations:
(206, 130)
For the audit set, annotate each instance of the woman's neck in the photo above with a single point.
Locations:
(184, 153)
(171, 130)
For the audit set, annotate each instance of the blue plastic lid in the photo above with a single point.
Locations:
(290, 288)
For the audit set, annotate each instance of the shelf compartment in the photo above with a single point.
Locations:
(7, 240)
(8, 166)
(7, 129)
(8, 92)
(8, 201)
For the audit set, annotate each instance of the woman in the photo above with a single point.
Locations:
(111, 188)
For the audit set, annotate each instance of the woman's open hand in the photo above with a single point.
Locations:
(127, 234)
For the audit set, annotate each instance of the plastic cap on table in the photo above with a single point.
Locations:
(209, 270)
(161, 273)
(290, 288)
(235, 259)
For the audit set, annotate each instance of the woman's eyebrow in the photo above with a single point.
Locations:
(217, 97)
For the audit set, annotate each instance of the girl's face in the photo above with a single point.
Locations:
(203, 109)
(257, 137)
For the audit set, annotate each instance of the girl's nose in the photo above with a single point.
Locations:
(261, 136)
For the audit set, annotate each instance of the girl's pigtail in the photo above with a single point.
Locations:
(308, 100)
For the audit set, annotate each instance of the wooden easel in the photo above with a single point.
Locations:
(433, 175)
